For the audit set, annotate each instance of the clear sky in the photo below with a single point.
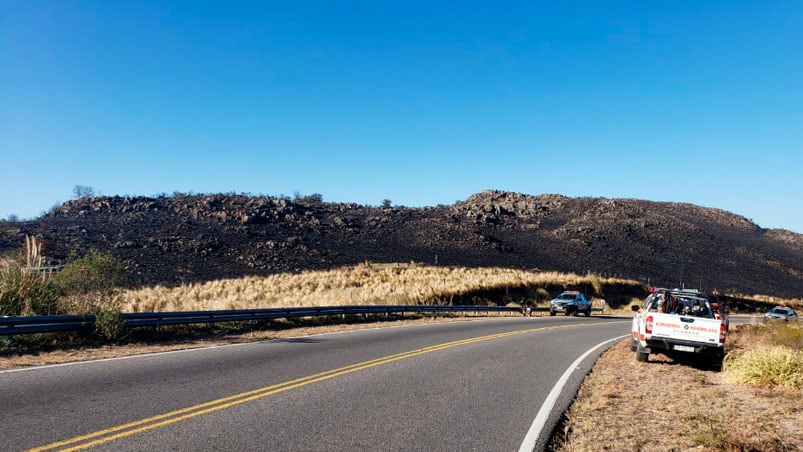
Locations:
(421, 103)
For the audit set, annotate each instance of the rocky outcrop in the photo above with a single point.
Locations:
(187, 238)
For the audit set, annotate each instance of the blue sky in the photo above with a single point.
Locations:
(417, 102)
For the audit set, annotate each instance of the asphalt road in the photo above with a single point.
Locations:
(474, 385)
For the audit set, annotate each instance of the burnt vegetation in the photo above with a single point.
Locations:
(172, 240)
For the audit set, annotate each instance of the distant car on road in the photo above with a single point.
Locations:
(571, 302)
(781, 312)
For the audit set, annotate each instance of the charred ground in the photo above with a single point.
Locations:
(189, 238)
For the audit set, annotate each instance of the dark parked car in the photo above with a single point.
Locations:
(571, 302)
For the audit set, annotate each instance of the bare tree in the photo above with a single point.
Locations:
(83, 191)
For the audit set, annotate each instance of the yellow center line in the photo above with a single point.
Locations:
(172, 417)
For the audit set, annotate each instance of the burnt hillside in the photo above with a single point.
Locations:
(186, 238)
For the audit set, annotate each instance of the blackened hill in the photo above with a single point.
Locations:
(188, 238)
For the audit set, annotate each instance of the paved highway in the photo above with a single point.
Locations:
(475, 385)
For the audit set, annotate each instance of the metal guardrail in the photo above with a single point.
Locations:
(55, 323)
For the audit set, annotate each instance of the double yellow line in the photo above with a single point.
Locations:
(172, 417)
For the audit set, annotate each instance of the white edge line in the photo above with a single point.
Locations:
(530, 440)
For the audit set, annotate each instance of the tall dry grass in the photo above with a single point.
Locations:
(768, 366)
(24, 288)
(363, 284)
(768, 355)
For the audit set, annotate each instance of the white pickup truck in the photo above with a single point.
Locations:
(679, 322)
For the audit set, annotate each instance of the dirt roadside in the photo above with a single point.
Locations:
(662, 405)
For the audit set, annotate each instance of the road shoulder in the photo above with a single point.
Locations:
(665, 405)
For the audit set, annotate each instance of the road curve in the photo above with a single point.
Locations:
(474, 385)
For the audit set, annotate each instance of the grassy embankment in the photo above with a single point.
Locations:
(370, 284)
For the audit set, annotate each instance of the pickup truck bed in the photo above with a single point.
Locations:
(678, 323)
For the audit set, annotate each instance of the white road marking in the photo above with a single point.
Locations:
(541, 418)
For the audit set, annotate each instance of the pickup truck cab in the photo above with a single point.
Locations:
(678, 322)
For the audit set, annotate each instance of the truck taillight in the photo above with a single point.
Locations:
(648, 325)
(723, 330)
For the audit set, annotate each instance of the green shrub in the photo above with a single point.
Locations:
(89, 284)
(94, 273)
(109, 324)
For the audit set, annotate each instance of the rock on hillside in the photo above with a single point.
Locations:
(187, 238)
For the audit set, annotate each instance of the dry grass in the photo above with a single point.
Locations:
(768, 355)
(23, 286)
(787, 334)
(766, 366)
(364, 284)
(663, 405)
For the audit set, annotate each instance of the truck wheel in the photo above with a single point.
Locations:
(716, 362)
(588, 312)
(633, 344)
(641, 355)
